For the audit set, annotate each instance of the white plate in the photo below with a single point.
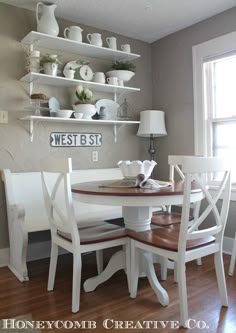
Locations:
(54, 104)
(111, 108)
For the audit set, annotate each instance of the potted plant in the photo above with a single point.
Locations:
(123, 70)
(85, 104)
(50, 63)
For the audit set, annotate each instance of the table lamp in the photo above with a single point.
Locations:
(152, 124)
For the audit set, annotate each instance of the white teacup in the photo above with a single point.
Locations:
(95, 39)
(74, 33)
(126, 48)
(112, 80)
(111, 42)
(69, 73)
(99, 77)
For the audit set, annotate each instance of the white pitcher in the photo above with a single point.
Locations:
(95, 39)
(47, 22)
(74, 33)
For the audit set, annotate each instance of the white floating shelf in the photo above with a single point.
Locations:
(115, 123)
(59, 81)
(41, 40)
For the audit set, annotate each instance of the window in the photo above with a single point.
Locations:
(220, 108)
(214, 81)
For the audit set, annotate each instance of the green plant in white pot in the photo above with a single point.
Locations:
(85, 104)
(123, 70)
(49, 63)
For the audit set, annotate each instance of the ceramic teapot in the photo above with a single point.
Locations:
(47, 23)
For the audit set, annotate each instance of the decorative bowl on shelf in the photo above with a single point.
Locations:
(122, 75)
(64, 113)
(88, 110)
(78, 115)
(131, 169)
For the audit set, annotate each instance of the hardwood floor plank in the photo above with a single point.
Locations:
(111, 300)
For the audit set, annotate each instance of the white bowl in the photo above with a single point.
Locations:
(64, 113)
(121, 75)
(78, 115)
(131, 169)
(88, 110)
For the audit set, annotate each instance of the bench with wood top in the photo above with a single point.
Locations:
(26, 211)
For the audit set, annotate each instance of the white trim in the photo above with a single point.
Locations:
(223, 45)
(35, 251)
(41, 250)
(228, 245)
(4, 257)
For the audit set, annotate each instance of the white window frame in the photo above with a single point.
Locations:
(201, 53)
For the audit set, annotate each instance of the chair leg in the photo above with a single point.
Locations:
(127, 265)
(164, 265)
(175, 272)
(52, 266)
(233, 258)
(181, 276)
(99, 260)
(76, 283)
(134, 269)
(199, 262)
(220, 275)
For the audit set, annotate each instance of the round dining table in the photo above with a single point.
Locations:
(137, 207)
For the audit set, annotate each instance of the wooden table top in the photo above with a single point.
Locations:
(97, 188)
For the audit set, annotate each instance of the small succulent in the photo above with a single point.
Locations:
(123, 65)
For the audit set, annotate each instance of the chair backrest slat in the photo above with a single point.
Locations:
(56, 183)
(195, 169)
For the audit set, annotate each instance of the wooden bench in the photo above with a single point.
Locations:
(26, 212)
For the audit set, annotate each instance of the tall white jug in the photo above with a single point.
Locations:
(47, 22)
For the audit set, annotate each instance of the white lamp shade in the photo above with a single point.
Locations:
(152, 122)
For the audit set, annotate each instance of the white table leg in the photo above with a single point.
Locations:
(116, 263)
(146, 266)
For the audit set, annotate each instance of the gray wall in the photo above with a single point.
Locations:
(173, 89)
(16, 151)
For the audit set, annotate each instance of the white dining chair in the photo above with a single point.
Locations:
(65, 232)
(187, 243)
(169, 218)
(233, 258)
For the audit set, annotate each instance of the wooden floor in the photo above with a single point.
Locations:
(111, 300)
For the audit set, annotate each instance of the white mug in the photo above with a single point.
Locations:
(99, 77)
(126, 48)
(95, 39)
(121, 83)
(111, 42)
(74, 33)
(69, 73)
(112, 80)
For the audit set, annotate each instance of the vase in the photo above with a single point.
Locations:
(47, 22)
(50, 68)
(88, 110)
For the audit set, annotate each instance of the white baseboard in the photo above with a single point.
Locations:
(4, 257)
(228, 245)
(41, 250)
(35, 251)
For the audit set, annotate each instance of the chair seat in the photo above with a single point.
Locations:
(167, 238)
(166, 218)
(98, 231)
